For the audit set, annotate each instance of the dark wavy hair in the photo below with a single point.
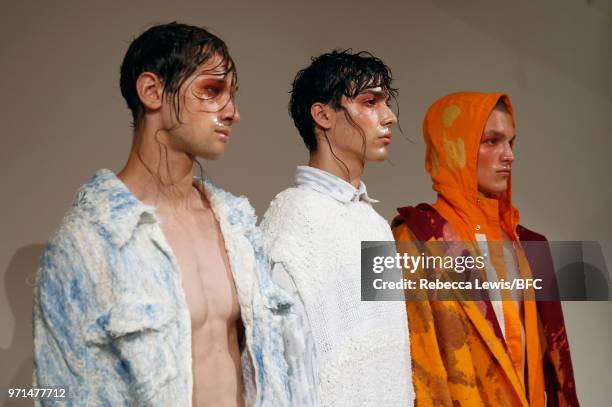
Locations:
(329, 77)
(173, 52)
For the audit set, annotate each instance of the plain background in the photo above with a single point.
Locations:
(63, 117)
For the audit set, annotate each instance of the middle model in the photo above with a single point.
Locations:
(357, 351)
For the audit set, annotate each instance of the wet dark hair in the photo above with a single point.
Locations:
(329, 77)
(173, 52)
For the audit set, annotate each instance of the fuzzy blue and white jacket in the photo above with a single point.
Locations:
(110, 319)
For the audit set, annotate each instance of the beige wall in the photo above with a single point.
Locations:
(63, 117)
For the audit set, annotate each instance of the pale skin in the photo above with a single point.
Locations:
(371, 112)
(160, 172)
(496, 155)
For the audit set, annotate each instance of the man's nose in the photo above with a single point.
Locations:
(508, 153)
(230, 112)
(389, 118)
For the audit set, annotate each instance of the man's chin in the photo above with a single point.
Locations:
(493, 192)
(211, 155)
(377, 156)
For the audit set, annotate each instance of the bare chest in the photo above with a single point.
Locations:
(208, 283)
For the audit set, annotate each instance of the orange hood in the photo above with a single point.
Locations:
(452, 129)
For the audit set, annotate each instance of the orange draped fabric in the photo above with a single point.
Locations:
(459, 356)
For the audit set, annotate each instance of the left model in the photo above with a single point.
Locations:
(156, 280)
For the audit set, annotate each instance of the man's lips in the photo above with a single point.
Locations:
(504, 171)
(225, 133)
(386, 138)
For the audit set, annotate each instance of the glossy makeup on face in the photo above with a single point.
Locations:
(207, 112)
(366, 134)
(213, 90)
(495, 154)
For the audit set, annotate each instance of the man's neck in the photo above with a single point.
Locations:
(160, 176)
(324, 160)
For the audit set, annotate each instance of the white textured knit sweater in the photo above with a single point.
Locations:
(362, 349)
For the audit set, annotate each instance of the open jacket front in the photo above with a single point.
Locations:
(460, 355)
(110, 318)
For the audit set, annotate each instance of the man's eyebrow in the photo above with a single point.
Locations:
(219, 76)
(375, 92)
(498, 134)
(215, 81)
(220, 81)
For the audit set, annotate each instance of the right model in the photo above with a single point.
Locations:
(513, 352)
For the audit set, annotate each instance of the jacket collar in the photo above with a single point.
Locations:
(110, 204)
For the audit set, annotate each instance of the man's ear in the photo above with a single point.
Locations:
(150, 90)
(322, 115)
